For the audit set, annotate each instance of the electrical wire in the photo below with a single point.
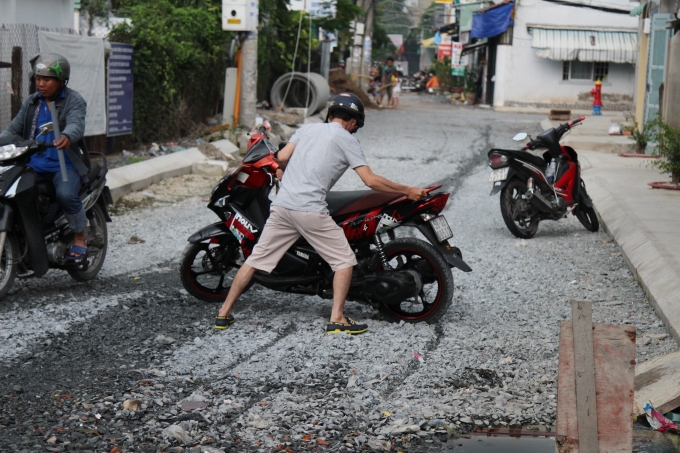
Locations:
(297, 41)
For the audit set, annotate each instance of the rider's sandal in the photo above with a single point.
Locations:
(351, 327)
(77, 253)
(223, 322)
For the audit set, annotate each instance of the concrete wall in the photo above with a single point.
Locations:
(524, 78)
(43, 13)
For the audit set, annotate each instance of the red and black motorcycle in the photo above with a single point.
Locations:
(535, 188)
(405, 278)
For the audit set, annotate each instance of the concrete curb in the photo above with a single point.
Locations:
(651, 261)
(141, 175)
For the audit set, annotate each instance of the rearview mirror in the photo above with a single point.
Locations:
(519, 137)
(45, 129)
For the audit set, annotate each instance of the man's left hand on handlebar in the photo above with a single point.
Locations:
(63, 143)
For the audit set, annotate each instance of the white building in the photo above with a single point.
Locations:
(556, 51)
(43, 13)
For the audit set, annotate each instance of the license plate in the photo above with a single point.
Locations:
(499, 175)
(441, 228)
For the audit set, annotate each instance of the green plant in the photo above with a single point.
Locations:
(640, 134)
(667, 140)
(470, 81)
(442, 69)
(179, 63)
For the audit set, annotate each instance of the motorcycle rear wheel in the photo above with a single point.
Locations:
(522, 223)
(436, 295)
(588, 218)
(95, 256)
(205, 267)
(9, 262)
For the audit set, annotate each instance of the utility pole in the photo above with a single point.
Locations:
(248, 99)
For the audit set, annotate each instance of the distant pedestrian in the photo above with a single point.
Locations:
(396, 89)
(388, 73)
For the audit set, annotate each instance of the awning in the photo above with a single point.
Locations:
(470, 47)
(429, 42)
(492, 21)
(595, 44)
(638, 10)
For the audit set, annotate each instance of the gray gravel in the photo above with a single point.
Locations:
(131, 360)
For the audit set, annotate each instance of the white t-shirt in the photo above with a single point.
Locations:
(323, 152)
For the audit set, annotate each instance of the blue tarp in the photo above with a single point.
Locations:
(493, 22)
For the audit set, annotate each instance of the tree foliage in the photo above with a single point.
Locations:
(178, 65)
(667, 141)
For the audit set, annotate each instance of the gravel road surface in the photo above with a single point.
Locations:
(129, 362)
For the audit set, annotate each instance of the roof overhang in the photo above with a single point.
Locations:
(566, 43)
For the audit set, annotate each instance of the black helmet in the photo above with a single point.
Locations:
(349, 103)
(51, 65)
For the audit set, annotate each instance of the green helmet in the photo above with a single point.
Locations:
(51, 65)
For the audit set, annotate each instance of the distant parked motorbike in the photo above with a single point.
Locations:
(34, 234)
(405, 278)
(535, 188)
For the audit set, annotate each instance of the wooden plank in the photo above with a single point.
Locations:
(614, 349)
(584, 368)
(658, 381)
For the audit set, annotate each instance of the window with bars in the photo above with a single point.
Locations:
(585, 70)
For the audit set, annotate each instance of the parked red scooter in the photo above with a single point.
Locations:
(535, 188)
(406, 279)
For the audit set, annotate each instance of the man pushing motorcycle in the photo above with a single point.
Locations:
(316, 156)
(51, 73)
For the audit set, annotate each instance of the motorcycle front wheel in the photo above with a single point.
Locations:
(435, 297)
(207, 269)
(588, 218)
(9, 261)
(517, 212)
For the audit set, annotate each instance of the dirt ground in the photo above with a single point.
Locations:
(167, 192)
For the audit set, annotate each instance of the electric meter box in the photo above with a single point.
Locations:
(239, 15)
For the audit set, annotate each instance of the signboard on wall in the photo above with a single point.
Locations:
(457, 62)
(444, 47)
(120, 90)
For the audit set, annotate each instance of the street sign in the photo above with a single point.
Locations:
(457, 63)
(120, 90)
(444, 47)
(397, 40)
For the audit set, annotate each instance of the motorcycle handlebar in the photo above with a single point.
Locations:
(561, 130)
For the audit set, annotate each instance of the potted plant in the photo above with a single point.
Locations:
(639, 134)
(471, 86)
(667, 141)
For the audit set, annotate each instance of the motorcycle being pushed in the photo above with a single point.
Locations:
(535, 188)
(406, 279)
(34, 234)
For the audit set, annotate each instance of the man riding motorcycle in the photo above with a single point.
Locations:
(51, 72)
(315, 158)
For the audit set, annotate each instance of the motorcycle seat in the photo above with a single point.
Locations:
(346, 202)
(531, 158)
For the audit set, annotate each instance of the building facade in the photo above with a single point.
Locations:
(555, 52)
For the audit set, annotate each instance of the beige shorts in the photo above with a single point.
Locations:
(285, 226)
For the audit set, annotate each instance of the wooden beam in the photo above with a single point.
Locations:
(17, 82)
(657, 381)
(584, 366)
(5, 65)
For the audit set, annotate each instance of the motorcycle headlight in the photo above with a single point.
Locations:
(11, 151)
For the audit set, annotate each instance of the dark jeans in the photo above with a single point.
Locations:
(67, 196)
